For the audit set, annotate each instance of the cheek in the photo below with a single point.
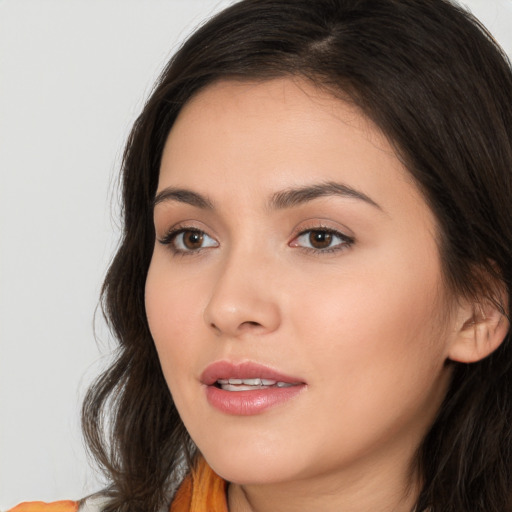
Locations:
(382, 323)
(173, 315)
(377, 350)
(170, 318)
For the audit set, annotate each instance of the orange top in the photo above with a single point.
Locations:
(202, 490)
(39, 506)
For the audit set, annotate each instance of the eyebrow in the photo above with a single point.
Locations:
(284, 199)
(182, 195)
(297, 196)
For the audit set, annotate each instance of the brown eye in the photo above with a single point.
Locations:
(192, 239)
(320, 239)
(188, 241)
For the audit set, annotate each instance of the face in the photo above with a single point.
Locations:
(295, 256)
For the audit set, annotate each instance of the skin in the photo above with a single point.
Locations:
(363, 324)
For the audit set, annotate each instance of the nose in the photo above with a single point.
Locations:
(243, 299)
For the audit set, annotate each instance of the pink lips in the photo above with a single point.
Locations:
(247, 402)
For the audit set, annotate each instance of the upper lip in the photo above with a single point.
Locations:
(246, 370)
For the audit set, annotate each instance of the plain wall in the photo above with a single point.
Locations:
(73, 76)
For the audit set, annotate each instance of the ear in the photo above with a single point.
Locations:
(481, 327)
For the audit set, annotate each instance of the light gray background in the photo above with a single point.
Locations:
(73, 76)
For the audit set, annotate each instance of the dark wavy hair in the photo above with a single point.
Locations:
(435, 82)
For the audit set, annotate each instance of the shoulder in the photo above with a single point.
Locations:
(93, 503)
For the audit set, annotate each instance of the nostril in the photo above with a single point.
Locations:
(249, 325)
(215, 328)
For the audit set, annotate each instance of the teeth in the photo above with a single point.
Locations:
(241, 387)
(247, 382)
(250, 384)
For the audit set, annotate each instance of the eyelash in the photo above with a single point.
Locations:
(345, 240)
(171, 236)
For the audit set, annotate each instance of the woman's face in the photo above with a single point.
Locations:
(292, 246)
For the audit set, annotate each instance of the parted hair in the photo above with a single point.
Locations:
(431, 77)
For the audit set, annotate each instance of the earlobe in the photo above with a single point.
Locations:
(481, 330)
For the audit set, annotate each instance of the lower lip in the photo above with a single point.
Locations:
(247, 403)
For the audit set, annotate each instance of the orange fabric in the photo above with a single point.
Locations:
(202, 490)
(39, 506)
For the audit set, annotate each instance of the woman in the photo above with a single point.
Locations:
(311, 295)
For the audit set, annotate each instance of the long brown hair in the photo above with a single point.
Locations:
(431, 77)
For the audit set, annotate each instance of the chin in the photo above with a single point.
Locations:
(253, 467)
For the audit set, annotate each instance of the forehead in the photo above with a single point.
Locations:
(293, 102)
(266, 136)
(275, 114)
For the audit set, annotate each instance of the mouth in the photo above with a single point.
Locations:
(248, 388)
(251, 384)
(246, 376)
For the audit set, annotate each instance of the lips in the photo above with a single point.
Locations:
(224, 370)
(248, 388)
